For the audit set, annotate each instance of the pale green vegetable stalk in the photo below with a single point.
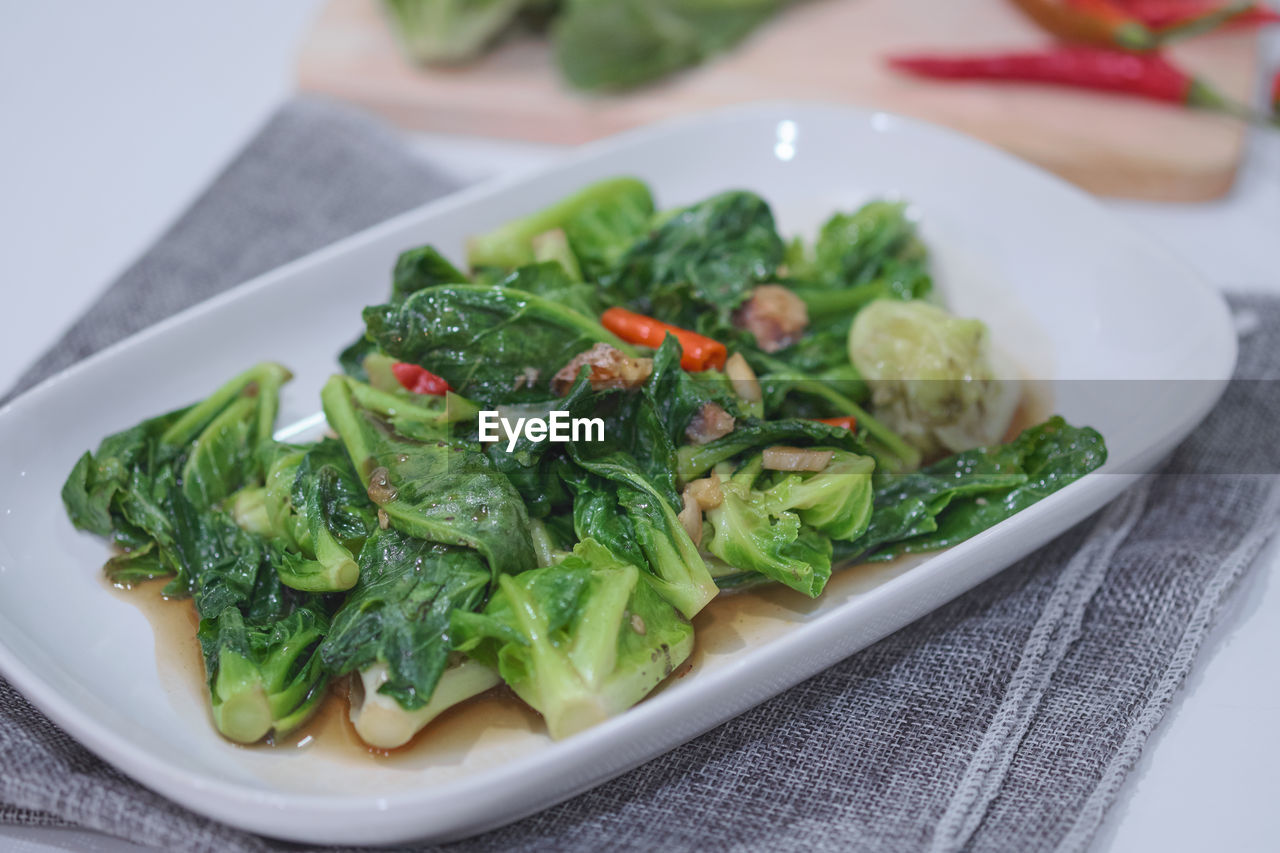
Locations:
(383, 723)
(580, 641)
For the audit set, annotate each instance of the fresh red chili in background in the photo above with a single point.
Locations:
(1275, 95)
(419, 380)
(1146, 75)
(1098, 22)
(1164, 14)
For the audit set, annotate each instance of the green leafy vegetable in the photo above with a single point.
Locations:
(599, 223)
(485, 340)
(423, 566)
(634, 481)
(260, 383)
(139, 565)
(417, 269)
(383, 723)
(835, 501)
(580, 641)
(961, 496)
(781, 524)
(442, 490)
(646, 525)
(222, 565)
(619, 44)
(752, 534)
(263, 679)
(334, 515)
(676, 396)
(398, 614)
(553, 247)
(143, 480)
(875, 245)
(101, 483)
(441, 32)
(712, 253)
(420, 268)
(548, 280)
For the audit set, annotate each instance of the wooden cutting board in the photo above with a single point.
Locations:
(826, 50)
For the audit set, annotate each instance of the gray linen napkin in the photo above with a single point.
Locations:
(1005, 720)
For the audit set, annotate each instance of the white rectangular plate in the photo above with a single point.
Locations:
(1068, 291)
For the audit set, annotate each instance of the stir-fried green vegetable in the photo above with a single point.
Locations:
(579, 641)
(395, 624)
(775, 411)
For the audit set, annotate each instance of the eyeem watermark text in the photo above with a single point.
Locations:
(558, 427)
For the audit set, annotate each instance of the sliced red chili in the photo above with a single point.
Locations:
(1098, 22)
(419, 380)
(849, 422)
(698, 352)
(1163, 15)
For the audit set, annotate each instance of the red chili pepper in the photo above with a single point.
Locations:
(1275, 96)
(419, 380)
(1257, 15)
(1098, 22)
(849, 422)
(697, 352)
(1162, 15)
(1145, 75)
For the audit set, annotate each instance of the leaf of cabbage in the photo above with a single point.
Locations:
(750, 536)
(100, 480)
(442, 490)
(877, 242)
(221, 564)
(448, 31)
(714, 252)
(415, 269)
(265, 677)
(549, 280)
(484, 340)
(1053, 455)
(679, 572)
(580, 641)
(600, 222)
(398, 612)
(420, 268)
(962, 495)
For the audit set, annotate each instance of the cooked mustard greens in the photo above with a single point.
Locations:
(581, 640)
(834, 415)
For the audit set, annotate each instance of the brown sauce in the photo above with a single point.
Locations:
(721, 628)
(446, 740)
(1035, 406)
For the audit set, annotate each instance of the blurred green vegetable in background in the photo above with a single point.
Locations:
(600, 45)
(448, 31)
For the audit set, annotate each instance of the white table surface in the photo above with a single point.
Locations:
(116, 115)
